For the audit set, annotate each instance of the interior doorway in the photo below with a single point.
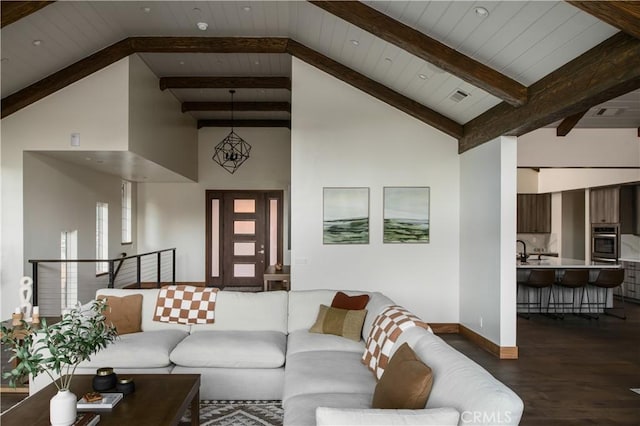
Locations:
(244, 235)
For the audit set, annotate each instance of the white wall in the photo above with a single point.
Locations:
(173, 215)
(580, 148)
(158, 130)
(62, 197)
(556, 180)
(487, 236)
(343, 137)
(97, 108)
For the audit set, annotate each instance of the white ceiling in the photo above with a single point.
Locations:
(523, 40)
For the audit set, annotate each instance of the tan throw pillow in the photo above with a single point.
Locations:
(341, 322)
(125, 313)
(406, 382)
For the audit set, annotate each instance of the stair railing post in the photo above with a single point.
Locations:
(138, 267)
(111, 274)
(159, 269)
(34, 277)
(173, 265)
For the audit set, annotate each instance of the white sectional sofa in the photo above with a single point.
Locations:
(259, 348)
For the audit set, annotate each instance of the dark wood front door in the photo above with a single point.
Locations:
(244, 236)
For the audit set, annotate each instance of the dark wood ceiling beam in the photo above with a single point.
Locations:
(606, 71)
(375, 89)
(244, 123)
(624, 15)
(65, 77)
(569, 123)
(427, 48)
(225, 83)
(209, 44)
(13, 11)
(236, 106)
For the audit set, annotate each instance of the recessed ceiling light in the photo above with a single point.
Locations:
(388, 60)
(355, 42)
(181, 62)
(99, 161)
(256, 62)
(37, 42)
(482, 12)
(146, 9)
(87, 158)
(422, 76)
(196, 10)
(202, 26)
(247, 8)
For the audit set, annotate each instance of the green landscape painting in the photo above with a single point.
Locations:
(406, 215)
(345, 216)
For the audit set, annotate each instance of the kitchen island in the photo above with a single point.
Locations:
(560, 265)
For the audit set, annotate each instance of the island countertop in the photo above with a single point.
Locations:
(563, 263)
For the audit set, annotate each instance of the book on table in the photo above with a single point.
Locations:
(108, 401)
(87, 419)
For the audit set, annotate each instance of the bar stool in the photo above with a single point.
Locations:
(538, 279)
(572, 279)
(608, 279)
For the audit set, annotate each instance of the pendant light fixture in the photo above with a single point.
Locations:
(232, 151)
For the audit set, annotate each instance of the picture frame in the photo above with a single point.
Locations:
(345, 215)
(406, 216)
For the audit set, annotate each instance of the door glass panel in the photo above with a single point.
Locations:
(273, 232)
(244, 249)
(244, 227)
(244, 206)
(215, 238)
(244, 270)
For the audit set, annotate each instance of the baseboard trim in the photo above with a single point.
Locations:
(502, 352)
(445, 327)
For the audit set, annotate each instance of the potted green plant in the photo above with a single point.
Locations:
(57, 350)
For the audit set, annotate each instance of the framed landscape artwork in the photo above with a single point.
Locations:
(345, 216)
(406, 215)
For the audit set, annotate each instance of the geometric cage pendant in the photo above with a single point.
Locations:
(231, 152)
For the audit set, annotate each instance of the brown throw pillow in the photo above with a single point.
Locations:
(406, 382)
(341, 322)
(356, 303)
(125, 313)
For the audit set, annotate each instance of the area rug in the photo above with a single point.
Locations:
(235, 413)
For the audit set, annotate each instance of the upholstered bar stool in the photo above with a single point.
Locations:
(608, 279)
(573, 279)
(538, 279)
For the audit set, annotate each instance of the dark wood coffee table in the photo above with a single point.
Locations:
(159, 399)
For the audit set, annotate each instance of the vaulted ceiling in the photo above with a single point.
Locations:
(474, 70)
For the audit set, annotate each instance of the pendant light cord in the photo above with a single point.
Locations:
(232, 92)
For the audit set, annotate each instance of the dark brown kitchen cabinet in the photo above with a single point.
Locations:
(605, 205)
(534, 213)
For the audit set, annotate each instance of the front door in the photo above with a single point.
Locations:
(244, 236)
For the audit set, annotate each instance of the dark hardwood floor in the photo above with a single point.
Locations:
(573, 371)
(569, 372)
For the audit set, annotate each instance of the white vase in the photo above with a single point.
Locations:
(62, 408)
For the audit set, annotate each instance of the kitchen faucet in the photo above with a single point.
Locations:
(523, 255)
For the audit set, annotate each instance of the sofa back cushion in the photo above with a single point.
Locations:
(249, 311)
(149, 298)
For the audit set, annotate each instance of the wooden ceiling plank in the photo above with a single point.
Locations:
(13, 11)
(65, 77)
(569, 123)
(427, 48)
(606, 71)
(209, 44)
(182, 82)
(236, 106)
(375, 89)
(244, 123)
(624, 15)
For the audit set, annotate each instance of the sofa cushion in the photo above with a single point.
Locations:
(301, 410)
(124, 313)
(405, 384)
(303, 341)
(148, 349)
(340, 322)
(149, 297)
(268, 311)
(343, 301)
(326, 416)
(232, 349)
(326, 372)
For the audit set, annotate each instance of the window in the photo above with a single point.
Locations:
(126, 212)
(68, 271)
(102, 237)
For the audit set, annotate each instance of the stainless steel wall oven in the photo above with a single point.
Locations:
(605, 242)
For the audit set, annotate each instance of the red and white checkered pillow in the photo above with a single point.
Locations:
(185, 304)
(384, 333)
